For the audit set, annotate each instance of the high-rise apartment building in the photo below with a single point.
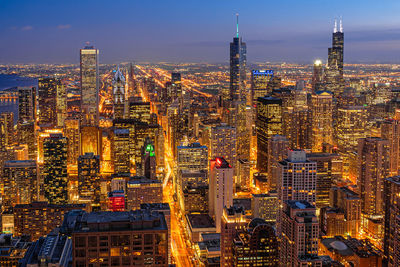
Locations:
(278, 147)
(20, 182)
(390, 130)
(322, 119)
(55, 175)
(373, 162)
(89, 179)
(299, 234)
(298, 178)
(268, 123)
(89, 70)
(392, 221)
(221, 189)
(223, 143)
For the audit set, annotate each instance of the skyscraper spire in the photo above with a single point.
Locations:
(340, 25)
(335, 28)
(237, 25)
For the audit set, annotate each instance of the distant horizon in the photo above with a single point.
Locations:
(187, 31)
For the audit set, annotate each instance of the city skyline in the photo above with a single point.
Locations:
(190, 32)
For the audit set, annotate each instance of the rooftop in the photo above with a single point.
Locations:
(200, 221)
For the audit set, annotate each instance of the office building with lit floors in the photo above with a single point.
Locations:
(321, 120)
(47, 100)
(221, 189)
(134, 238)
(299, 234)
(392, 221)
(268, 123)
(55, 169)
(256, 245)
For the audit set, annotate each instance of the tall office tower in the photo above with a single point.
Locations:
(41, 218)
(122, 163)
(334, 72)
(278, 147)
(265, 206)
(89, 65)
(318, 76)
(299, 233)
(7, 129)
(195, 199)
(221, 189)
(139, 110)
(27, 136)
(72, 133)
(61, 104)
(373, 162)
(351, 126)
(26, 104)
(148, 163)
(259, 84)
(89, 180)
(233, 220)
(348, 202)
(177, 127)
(268, 123)
(55, 169)
(237, 59)
(298, 178)
(321, 122)
(90, 139)
(257, 245)
(223, 143)
(141, 190)
(47, 100)
(392, 221)
(127, 234)
(19, 182)
(390, 130)
(243, 130)
(243, 174)
(119, 94)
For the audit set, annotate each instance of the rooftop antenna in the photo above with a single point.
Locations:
(335, 28)
(341, 25)
(237, 25)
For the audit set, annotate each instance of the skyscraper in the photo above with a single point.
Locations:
(392, 221)
(223, 143)
(19, 182)
(119, 94)
(259, 84)
(278, 147)
(299, 233)
(298, 178)
(121, 150)
(89, 60)
(321, 122)
(318, 76)
(89, 179)
(72, 133)
(373, 162)
(221, 189)
(55, 169)
(26, 104)
(47, 100)
(334, 72)
(148, 163)
(237, 60)
(268, 123)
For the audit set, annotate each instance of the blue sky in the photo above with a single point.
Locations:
(52, 31)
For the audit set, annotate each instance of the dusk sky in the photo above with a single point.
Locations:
(196, 31)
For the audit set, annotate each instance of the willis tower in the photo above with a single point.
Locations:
(334, 73)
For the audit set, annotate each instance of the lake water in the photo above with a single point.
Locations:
(10, 81)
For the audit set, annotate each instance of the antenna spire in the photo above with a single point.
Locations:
(237, 25)
(335, 28)
(341, 25)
